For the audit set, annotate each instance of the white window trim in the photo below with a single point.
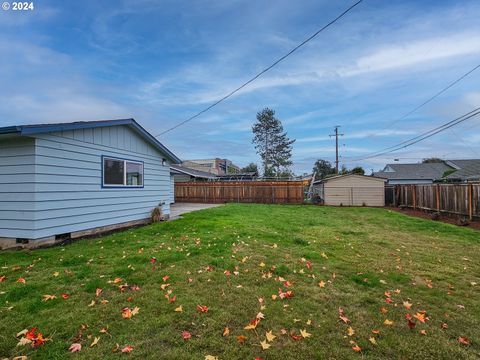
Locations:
(124, 185)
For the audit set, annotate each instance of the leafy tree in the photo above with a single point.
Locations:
(432, 160)
(252, 167)
(271, 143)
(357, 170)
(322, 168)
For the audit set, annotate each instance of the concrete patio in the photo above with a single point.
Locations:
(178, 209)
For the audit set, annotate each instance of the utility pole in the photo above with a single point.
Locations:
(336, 147)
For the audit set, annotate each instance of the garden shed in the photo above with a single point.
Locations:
(351, 190)
(69, 180)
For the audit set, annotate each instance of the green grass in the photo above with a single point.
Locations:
(370, 251)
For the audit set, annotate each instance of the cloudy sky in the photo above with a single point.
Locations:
(162, 61)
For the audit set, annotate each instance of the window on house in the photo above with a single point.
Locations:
(118, 172)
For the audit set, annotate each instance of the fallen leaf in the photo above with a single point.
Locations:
(56, 273)
(269, 335)
(241, 339)
(95, 341)
(350, 331)
(388, 322)
(98, 291)
(186, 335)
(48, 297)
(407, 305)
(464, 340)
(265, 345)
(420, 317)
(305, 334)
(127, 349)
(321, 284)
(211, 357)
(226, 331)
(65, 296)
(75, 347)
(356, 348)
(179, 309)
(21, 280)
(202, 308)
(372, 340)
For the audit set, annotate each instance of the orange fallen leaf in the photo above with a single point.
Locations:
(356, 348)
(350, 331)
(127, 349)
(21, 280)
(226, 331)
(241, 339)
(420, 317)
(407, 305)
(322, 284)
(98, 291)
(464, 340)
(202, 308)
(48, 297)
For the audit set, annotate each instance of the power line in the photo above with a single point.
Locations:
(433, 97)
(421, 137)
(262, 72)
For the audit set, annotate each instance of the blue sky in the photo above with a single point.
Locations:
(162, 61)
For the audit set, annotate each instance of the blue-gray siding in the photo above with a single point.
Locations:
(65, 194)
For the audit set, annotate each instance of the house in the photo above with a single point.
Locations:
(215, 166)
(422, 173)
(463, 170)
(428, 173)
(74, 179)
(184, 174)
(351, 190)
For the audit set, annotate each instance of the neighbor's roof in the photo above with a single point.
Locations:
(192, 172)
(349, 175)
(428, 171)
(465, 169)
(25, 130)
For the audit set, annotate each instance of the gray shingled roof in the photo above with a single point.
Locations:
(427, 171)
(466, 169)
(192, 172)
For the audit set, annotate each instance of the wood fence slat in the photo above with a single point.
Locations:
(268, 192)
(459, 199)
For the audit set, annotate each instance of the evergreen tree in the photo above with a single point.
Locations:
(272, 143)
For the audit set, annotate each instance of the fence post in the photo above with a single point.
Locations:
(437, 190)
(470, 201)
(414, 197)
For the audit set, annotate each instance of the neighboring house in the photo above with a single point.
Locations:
(424, 173)
(351, 190)
(463, 170)
(73, 179)
(215, 166)
(184, 174)
(428, 173)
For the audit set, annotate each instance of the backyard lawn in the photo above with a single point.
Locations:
(247, 282)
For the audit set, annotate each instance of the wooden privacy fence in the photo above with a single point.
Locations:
(264, 192)
(459, 199)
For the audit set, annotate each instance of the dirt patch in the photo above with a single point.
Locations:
(450, 219)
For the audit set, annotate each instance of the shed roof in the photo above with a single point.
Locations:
(26, 130)
(350, 175)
